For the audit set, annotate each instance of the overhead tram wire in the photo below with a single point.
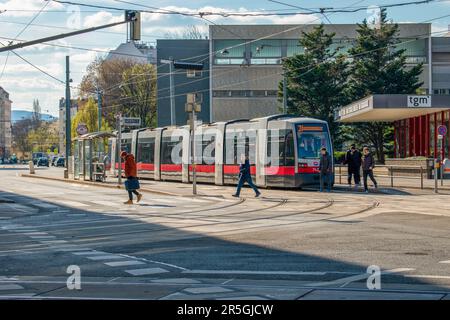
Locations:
(18, 35)
(313, 66)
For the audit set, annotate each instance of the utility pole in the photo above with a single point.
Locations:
(172, 95)
(119, 145)
(99, 102)
(68, 115)
(284, 93)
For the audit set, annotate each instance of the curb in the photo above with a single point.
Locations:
(96, 184)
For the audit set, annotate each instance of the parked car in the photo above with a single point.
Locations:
(42, 162)
(59, 162)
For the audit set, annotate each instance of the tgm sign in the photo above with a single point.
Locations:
(419, 102)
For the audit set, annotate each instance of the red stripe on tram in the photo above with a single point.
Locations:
(280, 171)
(171, 167)
(145, 166)
(204, 168)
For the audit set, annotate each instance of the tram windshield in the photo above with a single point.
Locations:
(311, 138)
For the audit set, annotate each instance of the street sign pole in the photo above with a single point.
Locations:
(194, 169)
(442, 132)
(119, 146)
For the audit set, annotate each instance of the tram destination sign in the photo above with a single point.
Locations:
(131, 122)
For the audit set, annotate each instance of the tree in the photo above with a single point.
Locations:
(316, 79)
(106, 75)
(378, 67)
(43, 138)
(191, 32)
(88, 114)
(36, 116)
(20, 130)
(139, 93)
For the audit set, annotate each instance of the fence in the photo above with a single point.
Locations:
(396, 176)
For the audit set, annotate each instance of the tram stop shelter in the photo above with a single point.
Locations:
(415, 119)
(91, 156)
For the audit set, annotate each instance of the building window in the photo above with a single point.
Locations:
(193, 73)
(245, 93)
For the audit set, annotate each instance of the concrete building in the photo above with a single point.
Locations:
(139, 52)
(244, 73)
(185, 81)
(5, 124)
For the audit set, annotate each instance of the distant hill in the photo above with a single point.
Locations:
(17, 115)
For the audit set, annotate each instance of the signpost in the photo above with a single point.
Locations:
(442, 132)
(193, 105)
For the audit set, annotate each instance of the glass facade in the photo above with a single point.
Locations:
(271, 51)
(418, 136)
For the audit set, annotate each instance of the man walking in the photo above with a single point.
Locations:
(326, 169)
(353, 161)
(245, 176)
(368, 163)
(132, 183)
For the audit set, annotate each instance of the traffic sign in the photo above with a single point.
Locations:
(442, 130)
(131, 122)
(82, 129)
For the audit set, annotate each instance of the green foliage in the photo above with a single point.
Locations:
(316, 79)
(88, 114)
(379, 68)
(43, 138)
(139, 91)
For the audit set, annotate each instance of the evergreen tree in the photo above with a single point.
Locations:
(316, 79)
(378, 67)
(36, 116)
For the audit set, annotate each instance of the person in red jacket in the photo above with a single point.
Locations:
(130, 174)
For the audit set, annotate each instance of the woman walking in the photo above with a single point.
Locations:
(132, 182)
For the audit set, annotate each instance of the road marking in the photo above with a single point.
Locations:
(88, 253)
(446, 261)
(10, 287)
(53, 241)
(107, 257)
(177, 281)
(207, 290)
(141, 272)
(73, 203)
(44, 205)
(35, 233)
(123, 263)
(293, 273)
(106, 203)
(42, 237)
(426, 276)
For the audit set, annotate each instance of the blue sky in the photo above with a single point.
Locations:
(24, 83)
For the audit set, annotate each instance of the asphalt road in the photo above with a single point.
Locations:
(285, 245)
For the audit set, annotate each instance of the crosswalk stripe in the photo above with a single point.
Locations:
(44, 205)
(124, 263)
(10, 287)
(88, 253)
(73, 203)
(107, 257)
(142, 272)
(446, 261)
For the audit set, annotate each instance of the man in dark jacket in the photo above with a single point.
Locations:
(353, 161)
(368, 163)
(245, 176)
(325, 168)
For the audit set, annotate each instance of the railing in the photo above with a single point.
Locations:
(401, 179)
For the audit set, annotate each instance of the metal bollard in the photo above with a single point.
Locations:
(421, 177)
(31, 165)
(436, 163)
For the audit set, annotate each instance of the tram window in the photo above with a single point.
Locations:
(238, 143)
(230, 148)
(126, 145)
(311, 138)
(146, 150)
(285, 141)
(170, 143)
(250, 146)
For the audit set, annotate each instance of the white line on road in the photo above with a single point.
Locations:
(142, 272)
(88, 253)
(123, 263)
(446, 261)
(249, 272)
(10, 287)
(107, 257)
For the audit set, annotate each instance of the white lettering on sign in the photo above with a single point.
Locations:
(419, 101)
(354, 108)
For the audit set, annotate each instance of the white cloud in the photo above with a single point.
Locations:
(104, 17)
(26, 8)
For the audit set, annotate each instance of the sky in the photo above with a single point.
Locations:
(23, 21)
